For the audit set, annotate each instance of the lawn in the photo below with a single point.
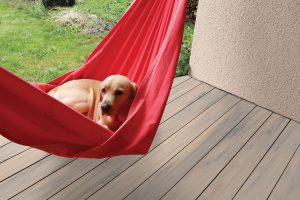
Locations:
(35, 47)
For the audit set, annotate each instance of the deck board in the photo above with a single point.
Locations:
(131, 178)
(209, 167)
(209, 145)
(228, 181)
(288, 186)
(270, 168)
(180, 80)
(101, 175)
(185, 100)
(178, 166)
(31, 175)
(20, 162)
(10, 150)
(3, 141)
(182, 89)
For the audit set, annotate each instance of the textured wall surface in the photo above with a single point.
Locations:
(251, 48)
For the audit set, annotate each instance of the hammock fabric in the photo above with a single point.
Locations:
(145, 46)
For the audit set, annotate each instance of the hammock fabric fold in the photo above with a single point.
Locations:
(145, 46)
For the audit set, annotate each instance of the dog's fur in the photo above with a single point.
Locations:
(106, 102)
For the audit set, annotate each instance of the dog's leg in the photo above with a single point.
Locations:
(81, 107)
(102, 124)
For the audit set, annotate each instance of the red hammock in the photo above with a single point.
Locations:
(144, 45)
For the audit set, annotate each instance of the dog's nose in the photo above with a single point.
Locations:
(105, 108)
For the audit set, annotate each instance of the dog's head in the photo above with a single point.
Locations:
(117, 94)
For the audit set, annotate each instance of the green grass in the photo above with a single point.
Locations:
(37, 49)
(109, 10)
(34, 6)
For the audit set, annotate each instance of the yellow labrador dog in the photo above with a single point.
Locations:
(106, 102)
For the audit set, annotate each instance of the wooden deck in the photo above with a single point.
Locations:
(210, 145)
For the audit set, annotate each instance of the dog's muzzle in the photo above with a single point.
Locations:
(105, 108)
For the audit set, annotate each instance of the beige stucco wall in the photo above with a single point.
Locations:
(250, 48)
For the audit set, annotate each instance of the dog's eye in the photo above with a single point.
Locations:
(103, 90)
(118, 92)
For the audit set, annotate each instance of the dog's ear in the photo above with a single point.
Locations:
(133, 89)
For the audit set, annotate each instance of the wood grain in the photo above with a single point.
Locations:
(20, 162)
(184, 101)
(11, 150)
(177, 167)
(235, 173)
(263, 179)
(31, 175)
(122, 185)
(46, 187)
(182, 89)
(209, 167)
(104, 173)
(288, 186)
(3, 141)
(179, 80)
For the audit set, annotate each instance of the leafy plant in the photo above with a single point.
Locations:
(192, 9)
(184, 58)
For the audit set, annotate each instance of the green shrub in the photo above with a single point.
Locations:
(184, 58)
(192, 9)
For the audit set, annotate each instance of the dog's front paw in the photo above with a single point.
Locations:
(105, 126)
(102, 124)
